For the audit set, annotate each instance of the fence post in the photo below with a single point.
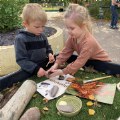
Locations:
(101, 12)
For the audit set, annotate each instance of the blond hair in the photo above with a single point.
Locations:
(79, 15)
(33, 12)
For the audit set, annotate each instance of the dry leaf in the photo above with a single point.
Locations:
(81, 69)
(90, 69)
(70, 79)
(45, 100)
(118, 75)
(34, 96)
(1, 96)
(45, 109)
(96, 104)
(91, 97)
(77, 79)
(58, 113)
(89, 103)
(91, 112)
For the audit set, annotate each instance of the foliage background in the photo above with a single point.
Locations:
(11, 9)
(9, 14)
(93, 6)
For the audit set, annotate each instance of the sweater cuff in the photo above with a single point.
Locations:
(65, 71)
(50, 52)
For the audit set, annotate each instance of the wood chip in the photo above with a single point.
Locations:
(45, 109)
(45, 100)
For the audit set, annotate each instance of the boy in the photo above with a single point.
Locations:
(32, 49)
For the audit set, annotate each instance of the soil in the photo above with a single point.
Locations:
(9, 37)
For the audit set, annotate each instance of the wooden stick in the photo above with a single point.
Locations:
(95, 79)
(101, 78)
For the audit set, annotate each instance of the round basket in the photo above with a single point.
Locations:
(73, 101)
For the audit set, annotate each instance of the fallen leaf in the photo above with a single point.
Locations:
(89, 103)
(77, 79)
(90, 69)
(45, 100)
(45, 109)
(1, 96)
(70, 79)
(96, 104)
(91, 112)
(34, 96)
(81, 69)
(58, 113)
(118, 75)
(91, 97)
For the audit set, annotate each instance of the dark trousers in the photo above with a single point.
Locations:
(21, 75)
(101, 66)
(114, 18)
(10, 79)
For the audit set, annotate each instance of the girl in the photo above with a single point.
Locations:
(81, 40)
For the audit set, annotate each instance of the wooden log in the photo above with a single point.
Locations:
(15, 106)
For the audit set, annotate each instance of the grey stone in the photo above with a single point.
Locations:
(31, 114)
(66, 108)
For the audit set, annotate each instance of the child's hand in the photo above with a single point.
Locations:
(56, 72)
(52, 69)
(51, 58)
(41, 72)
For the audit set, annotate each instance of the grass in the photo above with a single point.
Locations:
(105, 112)
(52, 8)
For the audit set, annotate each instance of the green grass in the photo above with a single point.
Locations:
(52, 8)
(105, 112)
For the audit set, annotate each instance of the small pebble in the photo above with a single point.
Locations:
(61, 77)
(66, 108)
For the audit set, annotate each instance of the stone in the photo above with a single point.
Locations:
(65, 108)
(31, 114)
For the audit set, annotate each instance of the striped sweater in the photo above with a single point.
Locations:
(31, 50)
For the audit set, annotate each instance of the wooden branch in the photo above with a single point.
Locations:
(15, 106)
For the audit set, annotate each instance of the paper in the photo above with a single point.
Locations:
(104, 94)
(44, 87)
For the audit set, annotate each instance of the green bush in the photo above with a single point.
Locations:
(9, 14)
(105, 6)
(94, 9)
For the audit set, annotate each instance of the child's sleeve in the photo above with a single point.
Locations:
(48, 46)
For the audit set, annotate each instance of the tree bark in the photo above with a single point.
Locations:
(15, 106)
